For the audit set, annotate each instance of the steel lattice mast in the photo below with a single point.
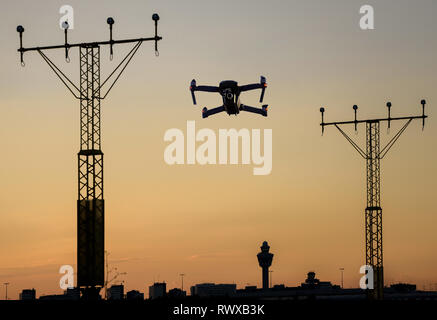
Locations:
(373, 212)
(90, 203)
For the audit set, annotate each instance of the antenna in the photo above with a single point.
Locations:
(65, 25)
(388, 119)
(322, 111)
(355, 107)
(90, 203)
(20, 30)
(155, 17)
(423, 102)
(110, 21)
(373, 212)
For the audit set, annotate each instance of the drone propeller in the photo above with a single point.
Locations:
(192, 88)
(263, 89)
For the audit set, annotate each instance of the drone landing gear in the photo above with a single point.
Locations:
(206, 113)
(262, 110)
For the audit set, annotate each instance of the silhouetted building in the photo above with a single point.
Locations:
(54, 297)
(116, 292)
(177, 293)
(134, 295)
(313, 288)
(250, 288)
(403, 287)
(28, 294)
(278, 287)
(157, 290)
(69, 294)
(213, 290)
(72, 293)
(311, 282)
(265, 261)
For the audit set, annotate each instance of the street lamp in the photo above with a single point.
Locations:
(6, 285)
(182, 278)
(342, 270)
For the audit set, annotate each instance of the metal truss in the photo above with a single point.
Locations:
(90, 203)
(373, 212)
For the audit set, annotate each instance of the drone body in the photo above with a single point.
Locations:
(230, 92)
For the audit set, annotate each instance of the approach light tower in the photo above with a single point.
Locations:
(265, 261)
(373, 211)
(90, 203)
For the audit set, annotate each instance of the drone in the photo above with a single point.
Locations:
(230, 92)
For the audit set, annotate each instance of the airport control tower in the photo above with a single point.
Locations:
(265, 261)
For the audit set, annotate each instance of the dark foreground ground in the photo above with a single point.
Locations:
(219, 309)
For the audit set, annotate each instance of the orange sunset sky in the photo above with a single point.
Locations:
(209, 221)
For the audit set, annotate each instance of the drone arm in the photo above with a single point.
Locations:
(261, 85)
(206, 113)
(252, 86)
(194, 87)
(261, 111)
(207, 88)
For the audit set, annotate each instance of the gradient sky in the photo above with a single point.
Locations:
(209, 221)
